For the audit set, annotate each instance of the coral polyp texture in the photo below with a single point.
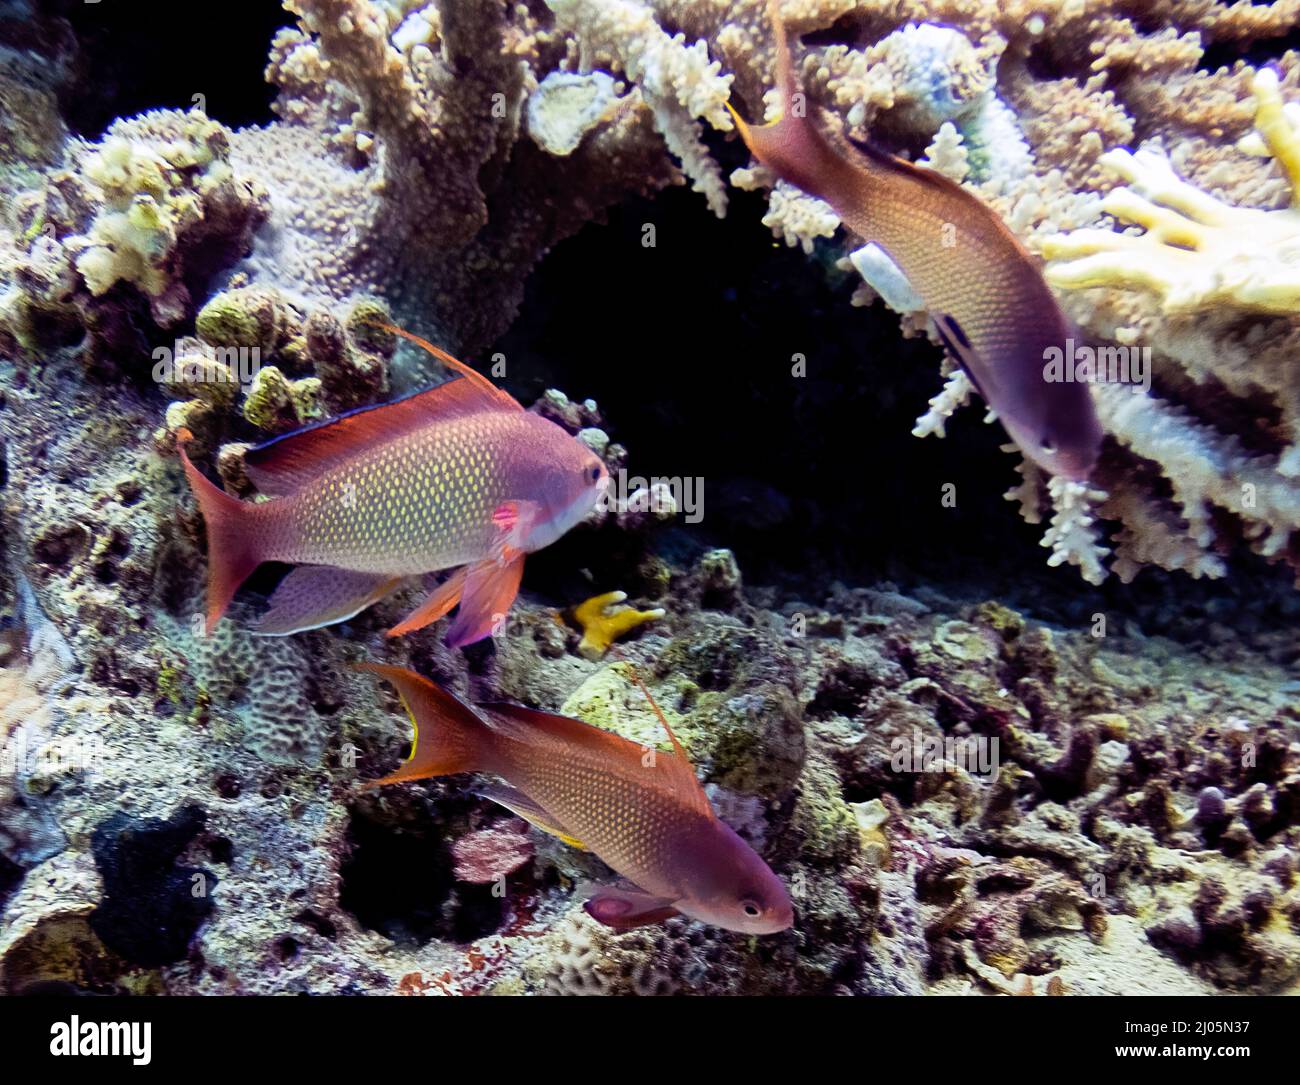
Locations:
(1196, 251)
(1115, 806)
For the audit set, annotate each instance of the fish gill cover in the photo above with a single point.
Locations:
(1039, 746)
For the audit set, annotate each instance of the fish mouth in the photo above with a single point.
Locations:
(1077, 468)
(568, 517)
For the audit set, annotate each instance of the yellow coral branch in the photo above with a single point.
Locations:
(1281, 134)
(604, 619)
(1196, 250)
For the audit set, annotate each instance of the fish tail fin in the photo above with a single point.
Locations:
(449, 735)
(792, 146)
(232, 548)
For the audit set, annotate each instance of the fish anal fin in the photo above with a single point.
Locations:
(312, 596)
(518, 803)
(445, 596)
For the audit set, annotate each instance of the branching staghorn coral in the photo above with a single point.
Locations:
(680, 83)
(1197, 251)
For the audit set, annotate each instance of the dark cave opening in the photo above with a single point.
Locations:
(400, 882)
(395, 881)
(1223, 54)
(11, 877)
(135, 60)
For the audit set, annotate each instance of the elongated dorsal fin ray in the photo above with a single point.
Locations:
(500, 395)
(785, 80)
(701, 799)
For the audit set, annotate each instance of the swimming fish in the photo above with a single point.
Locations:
(642, 811)
(990, 305)
(457, 475)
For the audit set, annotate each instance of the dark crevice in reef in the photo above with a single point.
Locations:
(1222, 54)
(151, 907)
(399, 882)
(11, 876)
(220, 59)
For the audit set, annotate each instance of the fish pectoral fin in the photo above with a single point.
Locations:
(445, 596)
(513, 521)
(312, 596)
(624, 908)
(518, 803)
(490, 588)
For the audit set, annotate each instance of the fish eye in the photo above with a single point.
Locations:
(1047, 445)
(751, 909)
(594, 473)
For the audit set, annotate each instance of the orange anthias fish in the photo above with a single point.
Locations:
(458, 475)
(992, 310)
(641, 811)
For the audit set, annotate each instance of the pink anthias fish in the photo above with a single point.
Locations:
(641, 811)
(992, 309)
(458, 475)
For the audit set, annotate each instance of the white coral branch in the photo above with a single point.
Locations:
(1072, 535)
(1150, 536)
(679, 82)
(1205, 468)
(955, 393)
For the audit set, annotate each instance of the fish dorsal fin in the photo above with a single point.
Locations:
(688, 783)
(501, 397)
(674, 770)
(516, 721)
(284, 464)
